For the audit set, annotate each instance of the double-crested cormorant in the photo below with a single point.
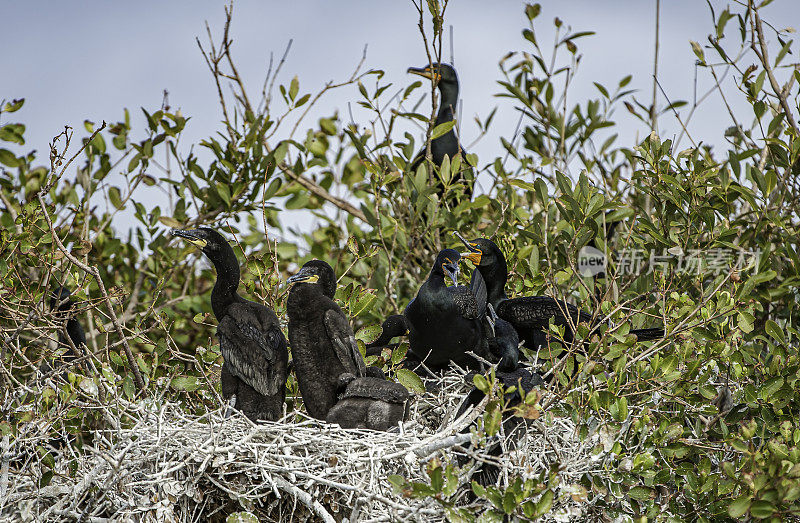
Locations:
(529, 315)
(447, 322)
(324, 349)
(250, 338)
(447, 144)
(370, 403)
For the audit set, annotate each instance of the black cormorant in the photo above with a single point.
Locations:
(250, 338)
(530, 315)
(370, 403)
(447, 322)
(324, 349)
(447, 81)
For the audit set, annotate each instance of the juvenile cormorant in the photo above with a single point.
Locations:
(447, 81)
(370, 403)
(447, 322)
(529, 315)
(324, 349)
(250, 338)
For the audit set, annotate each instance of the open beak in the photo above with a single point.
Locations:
(304, 276)
(451, 270)
(473, 253)
(192, 236)
(425, 72)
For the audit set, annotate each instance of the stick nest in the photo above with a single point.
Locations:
(155, 462)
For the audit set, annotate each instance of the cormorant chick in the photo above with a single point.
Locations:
(447, 322)
(250, 338)
(447, 81)
(324, 349)
(370, 403)
(505, 342)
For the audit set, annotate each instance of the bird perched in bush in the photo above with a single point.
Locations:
(447, 144)
(250, 338)
(324, 350)
(446, 322)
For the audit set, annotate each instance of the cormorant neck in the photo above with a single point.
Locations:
(300, 295)
(224, 292)
(447, 103)
(495, 277)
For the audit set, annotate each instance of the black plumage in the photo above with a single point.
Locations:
(250, 338)
(447, 82)
(530, 315)
(370, 403)
(62, 305)
(324, 349)
(504, 343)
(447, 322)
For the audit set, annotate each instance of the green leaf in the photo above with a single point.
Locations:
(399, 353)
(369, 333)
(115, 197)
(544, 504)
(14, 105)
(8, 158)
(762, 509)
(739, 506)
(698, 51)
(776, 332)
(410, 380)
(187, 383)
(528, 186)
(441, 129)
(170, 222)
(241, 517)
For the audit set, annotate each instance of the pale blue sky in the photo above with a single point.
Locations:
(89, 59)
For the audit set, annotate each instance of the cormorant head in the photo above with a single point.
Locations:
(207, 240)
(444, 75)
(317, 272)
(447, 264)
(482, 251)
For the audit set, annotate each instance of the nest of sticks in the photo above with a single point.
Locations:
(162, 464)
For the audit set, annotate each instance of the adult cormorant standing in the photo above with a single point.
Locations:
(324, 349)
(250, 338)
(446, 80)
(447, 322)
